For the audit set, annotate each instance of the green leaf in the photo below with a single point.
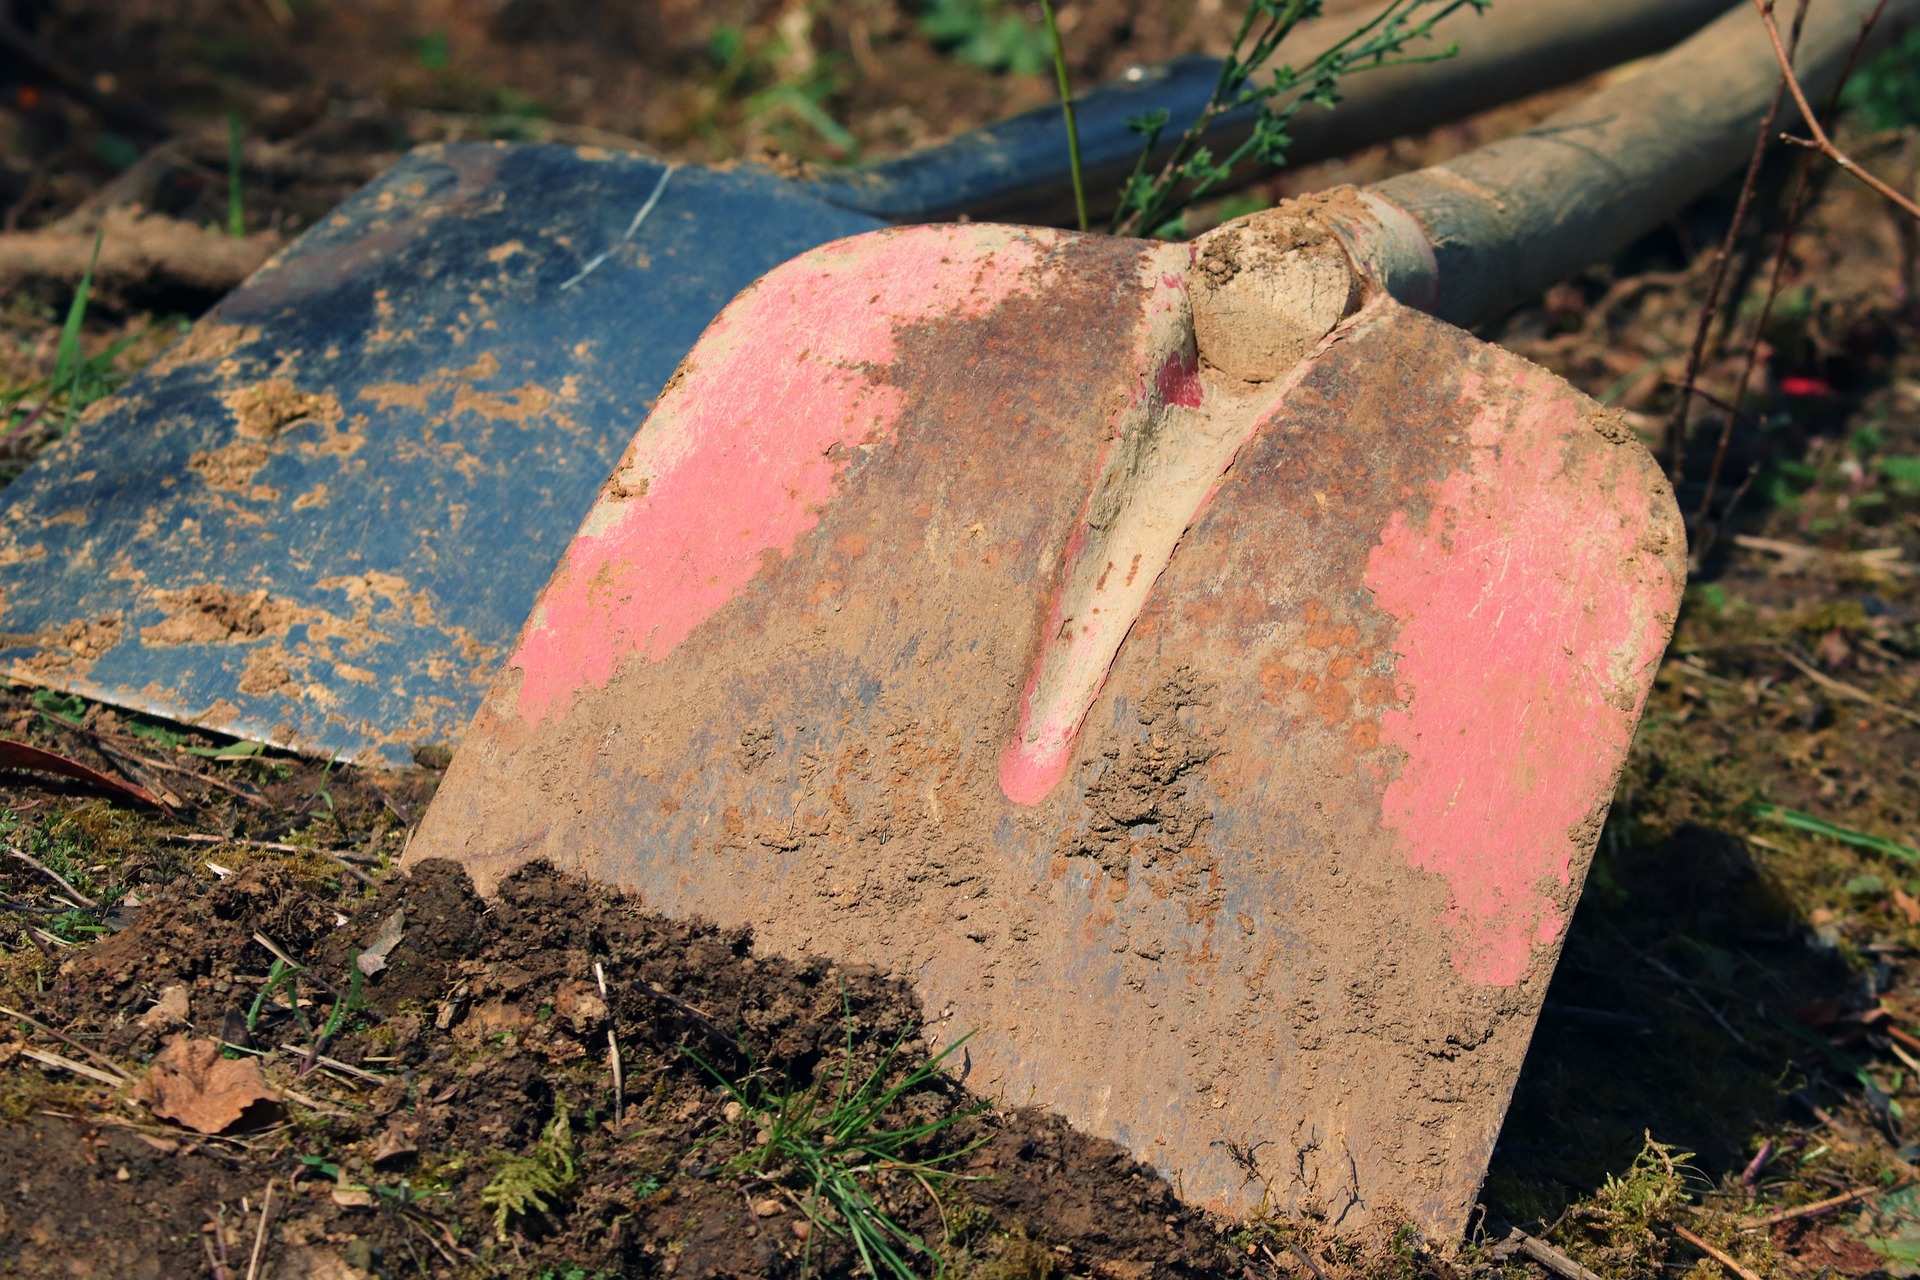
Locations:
(232, 751)
(61, 706)
(1845, 835)
(1904, 473)
(66, 365)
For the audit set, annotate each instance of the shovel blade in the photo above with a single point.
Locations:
(1284, 922)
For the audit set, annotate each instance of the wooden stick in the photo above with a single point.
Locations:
(266, 1208)
(1718, 1254)
(67, 1040)
(1820, 141)
(1842, 688)
(79, 898)
(1818, 1207)
(68, 1064)
(1546, 1255)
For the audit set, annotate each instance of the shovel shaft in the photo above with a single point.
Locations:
(1017, 170)
(1500, 224)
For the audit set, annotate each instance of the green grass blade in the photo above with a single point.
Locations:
(236, 211)
(1066, 110)
(1845, 835)
(66, 365)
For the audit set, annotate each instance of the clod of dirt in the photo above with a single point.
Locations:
(191, 1084)
(1266, 289)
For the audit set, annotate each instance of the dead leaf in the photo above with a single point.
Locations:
(171, 1007)
(192, 1085)
(22, 755)
(391, 1145)
(374, 958)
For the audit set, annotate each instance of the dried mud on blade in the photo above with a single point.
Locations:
(1225, 752)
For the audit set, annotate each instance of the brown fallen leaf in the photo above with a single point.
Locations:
(24, 755)
(192, 1085)
(1908, 904)
(392, 1144)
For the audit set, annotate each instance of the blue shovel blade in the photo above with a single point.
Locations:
(320, 519)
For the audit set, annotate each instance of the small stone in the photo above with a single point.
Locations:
(766, 1208)
(170, 1008)
(122, 1175)
(802, 1228)
(733, 1111)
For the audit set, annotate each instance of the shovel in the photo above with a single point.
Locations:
(320, 518)
(1200, 670)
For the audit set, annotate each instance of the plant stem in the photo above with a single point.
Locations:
(236, 213)
(1066, 109)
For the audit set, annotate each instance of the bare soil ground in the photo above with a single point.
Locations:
(1741, 983)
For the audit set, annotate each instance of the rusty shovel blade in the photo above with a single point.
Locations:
(1216, 725)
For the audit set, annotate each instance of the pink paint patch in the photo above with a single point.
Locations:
(742, 453)
(1530, 613)
(1178, 379)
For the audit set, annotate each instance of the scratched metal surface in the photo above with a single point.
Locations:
(323, 516)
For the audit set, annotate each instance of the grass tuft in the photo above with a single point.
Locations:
(831, 1150)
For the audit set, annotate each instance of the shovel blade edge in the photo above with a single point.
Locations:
(1284, 926)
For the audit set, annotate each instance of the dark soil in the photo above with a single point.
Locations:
(486, 1024)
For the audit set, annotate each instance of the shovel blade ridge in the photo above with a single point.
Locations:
(1301, 886)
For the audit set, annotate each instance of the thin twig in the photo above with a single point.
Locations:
(333, 1064)
(266, 1208)
(1819, 1207)
(79, 898)
(1546, 1255)
(196, 837)
(67, 1040)
(1715, 1252)
(1716, 281)
(613, 1049)
(1796, 208)
(1820, 141)
(68, 1064)
(1844, 689)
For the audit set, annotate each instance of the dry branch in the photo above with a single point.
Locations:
(138, 249)
(1820, 141)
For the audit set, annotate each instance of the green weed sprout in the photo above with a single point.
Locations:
(831, 1149)
(1151, 204)
(67, 363)
(531, 1182)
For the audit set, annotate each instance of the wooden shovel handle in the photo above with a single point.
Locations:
(1509, 219)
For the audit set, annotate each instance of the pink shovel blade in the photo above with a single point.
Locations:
(1261, 837)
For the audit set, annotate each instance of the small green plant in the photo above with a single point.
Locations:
(1885, 94)
(236, 212)
(1152, 203)
(830, 1148)
(989, 34)
(1622, 1227)
(533, 1181)
(67, 363)
(60, 706)
(1902, 473)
